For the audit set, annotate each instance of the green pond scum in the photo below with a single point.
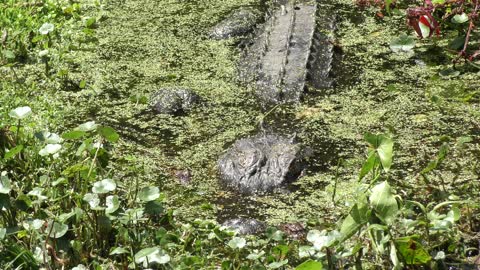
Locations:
(141, 46)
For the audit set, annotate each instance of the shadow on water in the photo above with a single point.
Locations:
(237, 206)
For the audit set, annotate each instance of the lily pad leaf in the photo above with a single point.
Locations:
(237, 243)
(56, 229)
(403, 43)
(449, 73)
(148, 194)
(88, 126)
(104, 186)
(46, 28)
(5, 185)
(113, 203)
(151, 255)
(50, 149)
(92, 199)
(9, 54)
(20, 112)
(276, 265)
(460, 18)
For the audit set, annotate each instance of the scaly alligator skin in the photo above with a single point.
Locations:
(283, 48)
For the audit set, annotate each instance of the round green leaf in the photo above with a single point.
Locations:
(276, 265)
(56, 229)
(9, 54)
(237, 243)
(52, 138)
(151, 255)
(5, 185)
(50, 149)
(88, 126)
(460, 18)
(449, 73)
(92, 199)
(113, 204)
(109, 134)
(104, 186)
(20, 112)
(43, 53)
(46, 28)
(147, 194)
(403, 43)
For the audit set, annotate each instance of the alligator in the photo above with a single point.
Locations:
(292, 48)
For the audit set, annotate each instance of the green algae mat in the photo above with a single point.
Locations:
(107, 59)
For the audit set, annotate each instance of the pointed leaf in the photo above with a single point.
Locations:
(310, 265)
(383, 202)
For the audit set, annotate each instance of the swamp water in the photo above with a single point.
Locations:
(144, 45)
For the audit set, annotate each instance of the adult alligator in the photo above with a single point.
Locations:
(287, 49)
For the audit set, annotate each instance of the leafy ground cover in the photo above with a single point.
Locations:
(88, 171)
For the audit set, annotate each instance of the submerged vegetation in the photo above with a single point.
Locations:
(92, 178)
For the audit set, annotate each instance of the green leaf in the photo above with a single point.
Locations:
(457, 43)
(9, 54)
(73, 135)
(56, 229)
(442, 153)
(50, 149)
(449, 73)
(237, 243)
(151, 255)
(460, 18)
(88, 126)
(147, 194)
(358, 217)
(368, 165)
(113, 203)
(119, 250)
(13, 152)
(383, 202)
(3, 233)
(383, 145)
(276, 265)
(108, 133)
(5, 185)
(104, 186)
(5, 201)
(323, 239)
(403, 43)
(46, 28)
(310, 265)
(82, 84)
(154, 208)
(412, 251)
(92, 199)
(20, 112)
